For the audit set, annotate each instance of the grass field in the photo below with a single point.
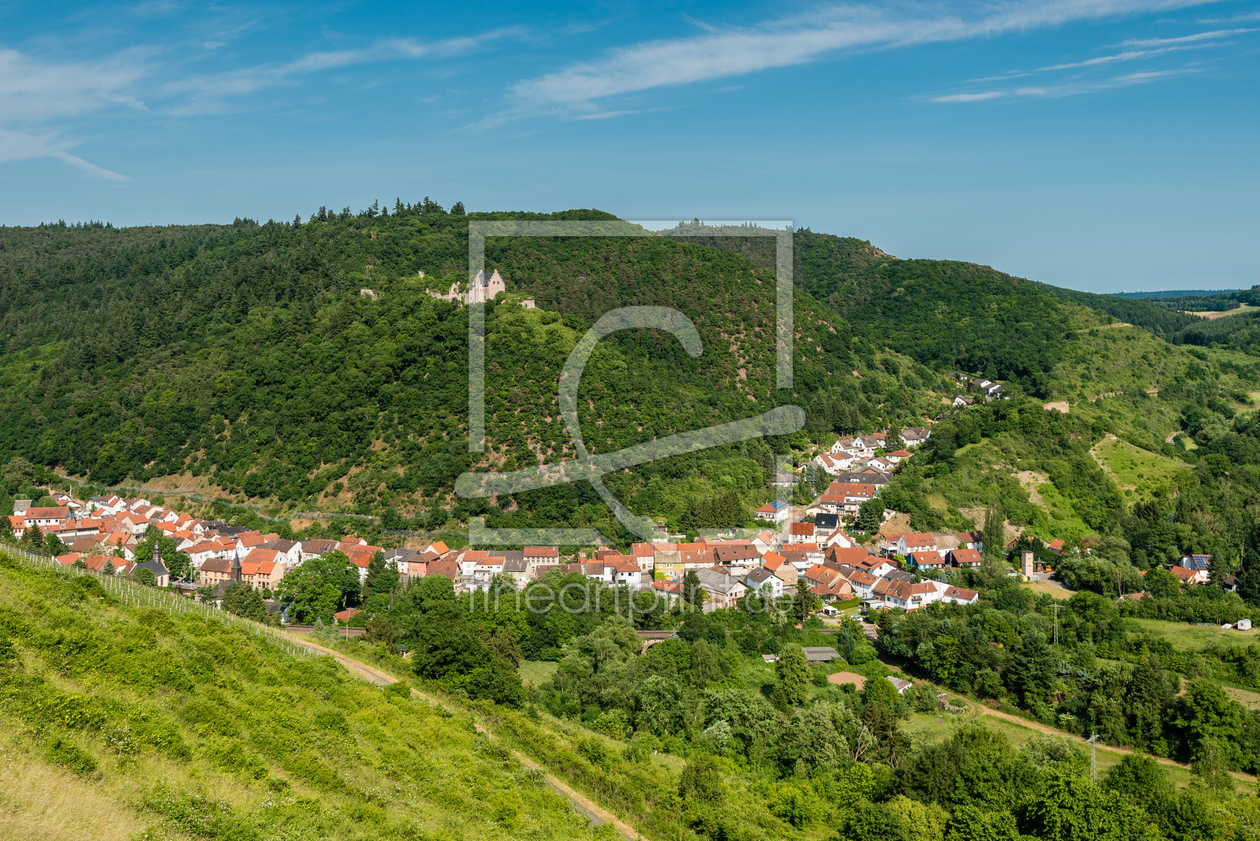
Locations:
(926, 728)
(1238, 310)
(128, 723)
(1196, 637)
(1049, 588)
(1249, 699)
(1137, 472)
(537, 672)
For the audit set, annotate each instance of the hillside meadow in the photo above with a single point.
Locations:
(127, 723)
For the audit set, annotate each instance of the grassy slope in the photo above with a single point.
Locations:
(1116, 376)
(1197, 637)
(926, 728)
(116, 720)
(1138, 472)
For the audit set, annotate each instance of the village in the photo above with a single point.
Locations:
(812, 551)
(798, 547)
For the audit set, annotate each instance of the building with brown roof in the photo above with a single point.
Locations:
(965, 558)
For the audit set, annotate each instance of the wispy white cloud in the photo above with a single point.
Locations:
(36, 94)
(792, 41)
(608, 115)
(1002, 77)
(1066, 88)
(32, 91)
(1150, 48)
(1128, 55)
(1214, 35)
(206, 93)
(20, 146)
(1245, 17)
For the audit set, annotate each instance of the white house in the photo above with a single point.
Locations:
(764, 541)
(776, 511)
(958, 595)
(913, 436)
(758, 580)
(909, 596)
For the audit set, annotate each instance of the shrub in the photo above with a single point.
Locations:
(595, 752)
(67, 754)
(701, 781)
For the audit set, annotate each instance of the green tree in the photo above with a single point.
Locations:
(1205, 713)
(1071, 808)
(333, 569)
(377, 580)
(870, 515)
(795, 802)
(975, 766)
(1031, 670)
(422, 594)
(18, 472)
(311, 595)
(661, 706)
(706, 664)
(692, 592)
(1140, 779)
(53, 544)
(926, 821)
(1211, 770)
(447, 644)
(1161, 583)
(969, 823)
(32, 539)
(243, 600)
(177, 563)
(701, 781)
(994, 533)
(496, 681)
(803, 601)
(880, 692)
(792, 677)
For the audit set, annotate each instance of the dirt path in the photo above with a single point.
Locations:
(587, 807)
(1054, 731)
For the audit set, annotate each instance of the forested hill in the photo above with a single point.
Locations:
(306, 363)
(1152, 317)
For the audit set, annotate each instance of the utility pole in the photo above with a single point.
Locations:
(1056, 623)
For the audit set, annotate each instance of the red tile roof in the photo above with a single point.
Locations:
(930, 559)
(969, 557)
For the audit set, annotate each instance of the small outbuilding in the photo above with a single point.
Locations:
(820, 654)
(900, 685)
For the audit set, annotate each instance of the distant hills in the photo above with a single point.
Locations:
(1176, 293)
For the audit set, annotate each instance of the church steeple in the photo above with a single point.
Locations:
(236, 567)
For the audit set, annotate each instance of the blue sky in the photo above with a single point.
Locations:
(1097, 145)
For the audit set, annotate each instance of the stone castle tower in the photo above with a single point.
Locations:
(484, 287)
